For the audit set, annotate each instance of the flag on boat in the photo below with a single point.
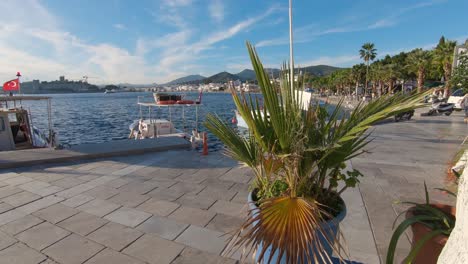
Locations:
(12, 85)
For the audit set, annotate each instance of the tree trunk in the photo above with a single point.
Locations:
(380, 88)
(420, 79)
(447, 75)
(390, 85)
(367, 74)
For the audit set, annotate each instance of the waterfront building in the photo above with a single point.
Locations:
(460, 50)
(60, 85)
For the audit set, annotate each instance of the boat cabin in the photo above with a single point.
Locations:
(16, 127)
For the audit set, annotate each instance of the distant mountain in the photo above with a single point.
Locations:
(187, 79)
(221, 77)
(319, 70)
(247, 75)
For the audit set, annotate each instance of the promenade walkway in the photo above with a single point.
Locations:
(175, 207)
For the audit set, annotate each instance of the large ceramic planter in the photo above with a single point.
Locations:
(430, 252)
(330, 228)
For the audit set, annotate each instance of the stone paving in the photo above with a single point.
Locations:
(177, 206)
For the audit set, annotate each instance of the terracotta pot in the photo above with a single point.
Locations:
(430, 252)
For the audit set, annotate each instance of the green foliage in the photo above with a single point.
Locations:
(439, 222)
(460, 75)
(298, 155)
(368, 52)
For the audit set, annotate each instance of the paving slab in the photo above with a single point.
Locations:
(154, 250)
(158, 207)
(20, 254)
(128, 216)
(5, 207)
(203, 239)
(41, 203)
(166, 194)
(77, 200)
(129, 199)
(192, 216)
(102, 192)
(47, 190)
(196, 201)
(42, 235)
(138, 187)
(109, 256)
(98, 207)
(6, 240)
(218, 193)
(162, 227)
(21, 224)
(225, 223)
(194, 256)
(56, 213)
(73, 249)
(21, 198)
(8, 175)
(83, 223)
(6, 191)
(18, 180)
(78, 189)
(10, 216)
(117, 183)
(115, 236)
(188, 188)
(230, 208)
(34, 186)
(68, 182)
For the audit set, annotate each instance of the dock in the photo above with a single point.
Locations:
(30, 157)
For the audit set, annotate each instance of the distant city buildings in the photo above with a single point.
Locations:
(460, 50)
(61, 85)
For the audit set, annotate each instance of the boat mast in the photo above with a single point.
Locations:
(291, 54)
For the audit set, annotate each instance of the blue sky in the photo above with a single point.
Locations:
(156, 41)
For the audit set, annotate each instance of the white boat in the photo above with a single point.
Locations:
(155, 126)
(17, 131)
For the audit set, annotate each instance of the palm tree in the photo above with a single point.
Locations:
(358, 73)
(443, 56)
(368, 53)
(418, 62)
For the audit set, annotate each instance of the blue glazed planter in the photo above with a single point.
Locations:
(330, 228)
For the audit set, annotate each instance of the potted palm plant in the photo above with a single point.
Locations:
(298, 152)
(431, 225)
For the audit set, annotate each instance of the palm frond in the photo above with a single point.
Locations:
(291, 227)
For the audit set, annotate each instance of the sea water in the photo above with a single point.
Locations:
(81, 118)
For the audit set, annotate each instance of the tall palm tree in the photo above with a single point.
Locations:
(368, 53)
(443, 56)
(418, 63)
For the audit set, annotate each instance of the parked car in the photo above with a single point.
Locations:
(456, 98)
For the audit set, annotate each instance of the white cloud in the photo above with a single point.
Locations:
(45, 50)
(177, 3)
(310, 32)
(343, 60)
(216, 9)
(119, 26)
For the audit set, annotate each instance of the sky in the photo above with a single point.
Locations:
(155, 41)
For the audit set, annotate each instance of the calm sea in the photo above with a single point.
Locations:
(98, 117)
